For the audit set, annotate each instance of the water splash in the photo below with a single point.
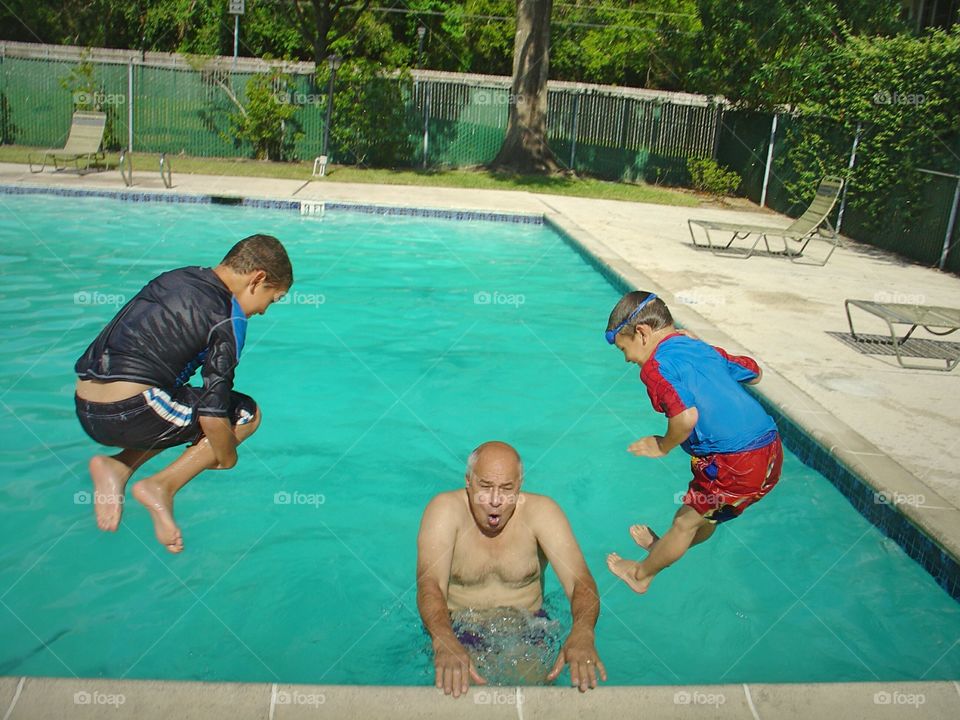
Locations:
(509, 646)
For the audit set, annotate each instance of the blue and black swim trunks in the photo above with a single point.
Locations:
(156, 418)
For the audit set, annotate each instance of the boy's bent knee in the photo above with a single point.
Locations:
(688, 520)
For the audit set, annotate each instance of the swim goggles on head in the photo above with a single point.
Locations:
(611, 335)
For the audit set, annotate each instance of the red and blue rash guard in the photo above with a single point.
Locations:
(683, 373)
(180, 321)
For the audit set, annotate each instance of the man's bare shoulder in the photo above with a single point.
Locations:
(445, 503)
(539, 506)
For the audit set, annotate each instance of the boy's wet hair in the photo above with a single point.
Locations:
(655, 313)
(261, 252)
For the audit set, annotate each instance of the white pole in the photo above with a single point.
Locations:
(236, 38)
(130, 107)
(766, 171)
(574, 130)
(948, 236)
(846, 184)
(426, 121)
(950, 222)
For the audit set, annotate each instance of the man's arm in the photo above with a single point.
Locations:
(555, 536)
(679, 428)
(438, 533)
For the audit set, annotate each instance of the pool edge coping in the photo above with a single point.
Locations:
(146, 699)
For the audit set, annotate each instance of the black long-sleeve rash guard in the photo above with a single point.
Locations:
(179, 321)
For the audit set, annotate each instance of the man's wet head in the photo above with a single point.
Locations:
(493, 478)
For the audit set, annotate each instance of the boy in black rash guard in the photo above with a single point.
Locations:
(132, 389)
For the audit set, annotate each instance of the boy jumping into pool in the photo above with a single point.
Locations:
(132, 390)
(734, 444)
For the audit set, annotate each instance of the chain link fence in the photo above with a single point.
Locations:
(160, 102)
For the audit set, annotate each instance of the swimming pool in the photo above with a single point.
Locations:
(404, 344)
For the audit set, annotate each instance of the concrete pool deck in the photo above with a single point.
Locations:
(898, 429)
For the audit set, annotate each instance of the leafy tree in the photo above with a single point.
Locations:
(621, 43)
(321, 22)
(743, 43)
(903, 91)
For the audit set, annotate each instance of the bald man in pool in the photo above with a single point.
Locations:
(487, 545)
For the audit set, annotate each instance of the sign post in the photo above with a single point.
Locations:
(235, 8)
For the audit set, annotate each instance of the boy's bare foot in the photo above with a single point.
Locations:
(109, 480)
(643, 536)
(628, 571)
(160, 504)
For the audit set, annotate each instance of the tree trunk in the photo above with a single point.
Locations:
(524, 149)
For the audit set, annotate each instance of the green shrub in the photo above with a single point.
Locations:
(263, 121)
(706, 176)
(371, 123)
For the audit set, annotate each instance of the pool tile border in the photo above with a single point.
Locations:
(272, 204)
(936, 560)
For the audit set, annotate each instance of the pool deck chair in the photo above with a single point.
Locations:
(83, 144)
(935, 320)
(814, 224)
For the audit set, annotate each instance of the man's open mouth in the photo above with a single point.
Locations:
(494, 520)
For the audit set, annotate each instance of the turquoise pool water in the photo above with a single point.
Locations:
(405, 344)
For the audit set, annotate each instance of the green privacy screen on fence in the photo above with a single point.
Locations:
(460, 121)
(452, 122)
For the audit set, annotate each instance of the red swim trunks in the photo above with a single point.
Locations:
(726, 484)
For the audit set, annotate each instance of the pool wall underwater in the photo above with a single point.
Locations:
(836, 452)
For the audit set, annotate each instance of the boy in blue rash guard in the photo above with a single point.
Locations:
(132, 390)
(735, 450)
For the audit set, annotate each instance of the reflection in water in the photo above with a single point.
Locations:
(509, 646)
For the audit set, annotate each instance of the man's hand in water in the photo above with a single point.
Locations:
(580, 654)
(454, 669)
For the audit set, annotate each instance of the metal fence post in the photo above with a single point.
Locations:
(846, 184)
(766, 171)
(130, 106)
(574, 129)
(948, 235)
(950, 223)
(426, 122)
(717, 125)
